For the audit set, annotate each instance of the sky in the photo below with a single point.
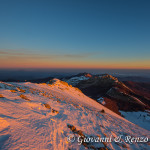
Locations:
(75, 34)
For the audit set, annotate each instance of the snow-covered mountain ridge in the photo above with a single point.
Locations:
(42, 116)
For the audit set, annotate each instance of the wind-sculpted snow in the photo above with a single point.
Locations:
(44, 116)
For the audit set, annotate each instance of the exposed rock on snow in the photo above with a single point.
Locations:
(101, 100)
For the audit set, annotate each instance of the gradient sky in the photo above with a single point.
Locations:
(75, 34)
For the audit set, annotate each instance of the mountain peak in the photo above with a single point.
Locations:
(83, 74)
(54, 81)
(57, 82)
(110, 77)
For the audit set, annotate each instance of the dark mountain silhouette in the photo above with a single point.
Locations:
(116, 94)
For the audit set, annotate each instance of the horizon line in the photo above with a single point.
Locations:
(74, 68)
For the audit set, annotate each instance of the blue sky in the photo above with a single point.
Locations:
(76, 31)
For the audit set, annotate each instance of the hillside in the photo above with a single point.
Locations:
(123, 98)
(126, 95)
(42, 116)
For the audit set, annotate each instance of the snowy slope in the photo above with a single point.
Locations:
(139, 118)
(42, 116)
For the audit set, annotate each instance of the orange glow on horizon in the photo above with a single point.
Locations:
(74, 63)
(78, 65)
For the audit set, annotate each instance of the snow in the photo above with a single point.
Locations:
(28, 124)
(101, 100)
(75, 80)
(139, 118)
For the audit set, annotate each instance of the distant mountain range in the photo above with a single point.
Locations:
(128, 96)
(38, 77)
